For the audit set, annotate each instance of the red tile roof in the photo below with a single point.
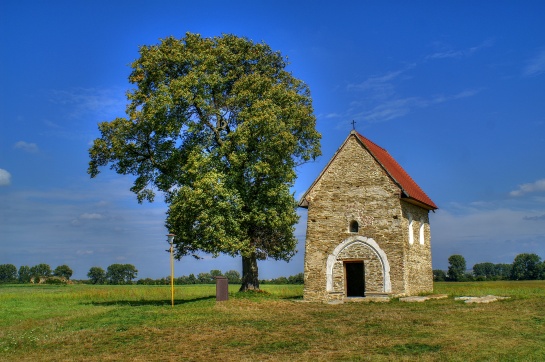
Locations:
(410, 189)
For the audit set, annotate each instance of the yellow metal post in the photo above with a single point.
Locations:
(171, 276)
(171, 240)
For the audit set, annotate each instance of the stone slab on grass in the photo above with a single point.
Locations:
(468, 300)
(485, 299)
(438, 296)
(419, 299)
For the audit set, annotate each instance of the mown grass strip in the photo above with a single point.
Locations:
(95, 323)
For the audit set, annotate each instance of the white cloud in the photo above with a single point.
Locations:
(333, 115)
(441, 99)
(446, 54)
(381, 101)
(103, 103)
(81, 235)
(487, 224)
(446, 51)
(5, 177)
(380, 83)
(535, 66)
(88, 216)
(398, 107)
(391, 109)
(382, 86)
(537, 186)
(84, 252)
(535, 218)
(51, 124)
(486, 233)
(26, 146)
(466, 93)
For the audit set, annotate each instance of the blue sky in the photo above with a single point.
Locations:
(454, 90)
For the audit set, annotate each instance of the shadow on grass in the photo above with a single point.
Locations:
(139, 303)
(248, 295)
(258, 295)
(292, 297)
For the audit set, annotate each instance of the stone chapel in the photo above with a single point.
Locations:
(368, 232)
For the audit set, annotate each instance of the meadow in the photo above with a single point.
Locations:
(137, 323)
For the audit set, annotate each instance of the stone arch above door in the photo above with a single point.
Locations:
(369, 244)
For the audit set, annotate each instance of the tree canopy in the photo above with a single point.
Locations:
(41, 270)
(63, 271)
(485, 270)
(24, 275)
(8, 273)
(96, 275)
(121, 273)
(218, 125)
(527, 266)
(491, 271)
(456, 268)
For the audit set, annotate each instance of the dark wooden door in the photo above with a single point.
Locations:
(355, 279)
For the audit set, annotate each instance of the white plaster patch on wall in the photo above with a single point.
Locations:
(422, 225)
(411, 233)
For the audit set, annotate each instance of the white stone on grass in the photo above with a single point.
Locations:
(424, 298)
(481, 300)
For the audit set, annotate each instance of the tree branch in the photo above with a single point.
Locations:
(205, 120)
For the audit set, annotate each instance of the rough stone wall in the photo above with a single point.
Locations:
(354, 187)
(419, 274)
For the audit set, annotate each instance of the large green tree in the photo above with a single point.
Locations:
(526, 266)
(24, 275)
(63, 271)
(456, 268)
(439, 275)
(8, 273)
(205, 278)
(121, 273)
(96, 275)
(41, 270)
(484, 270)
(503, 271)
(232, 276)
(218, 125)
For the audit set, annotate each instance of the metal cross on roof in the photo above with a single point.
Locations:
(353, 125)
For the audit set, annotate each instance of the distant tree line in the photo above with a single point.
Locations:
(293, 279)
(232, 276)
(115, 274)
(525, 267)
(36, 274)
(120, 274)
(42, 273)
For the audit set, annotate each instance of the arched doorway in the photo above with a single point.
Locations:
(358, 266)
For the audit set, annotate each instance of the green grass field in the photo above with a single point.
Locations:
(137, 323)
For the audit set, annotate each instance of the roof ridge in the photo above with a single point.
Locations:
(398, 174)
(410, 189)
(368, 140)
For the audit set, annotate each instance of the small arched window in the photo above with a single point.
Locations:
(354, 227)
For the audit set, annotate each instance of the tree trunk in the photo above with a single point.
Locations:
(250, 279)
